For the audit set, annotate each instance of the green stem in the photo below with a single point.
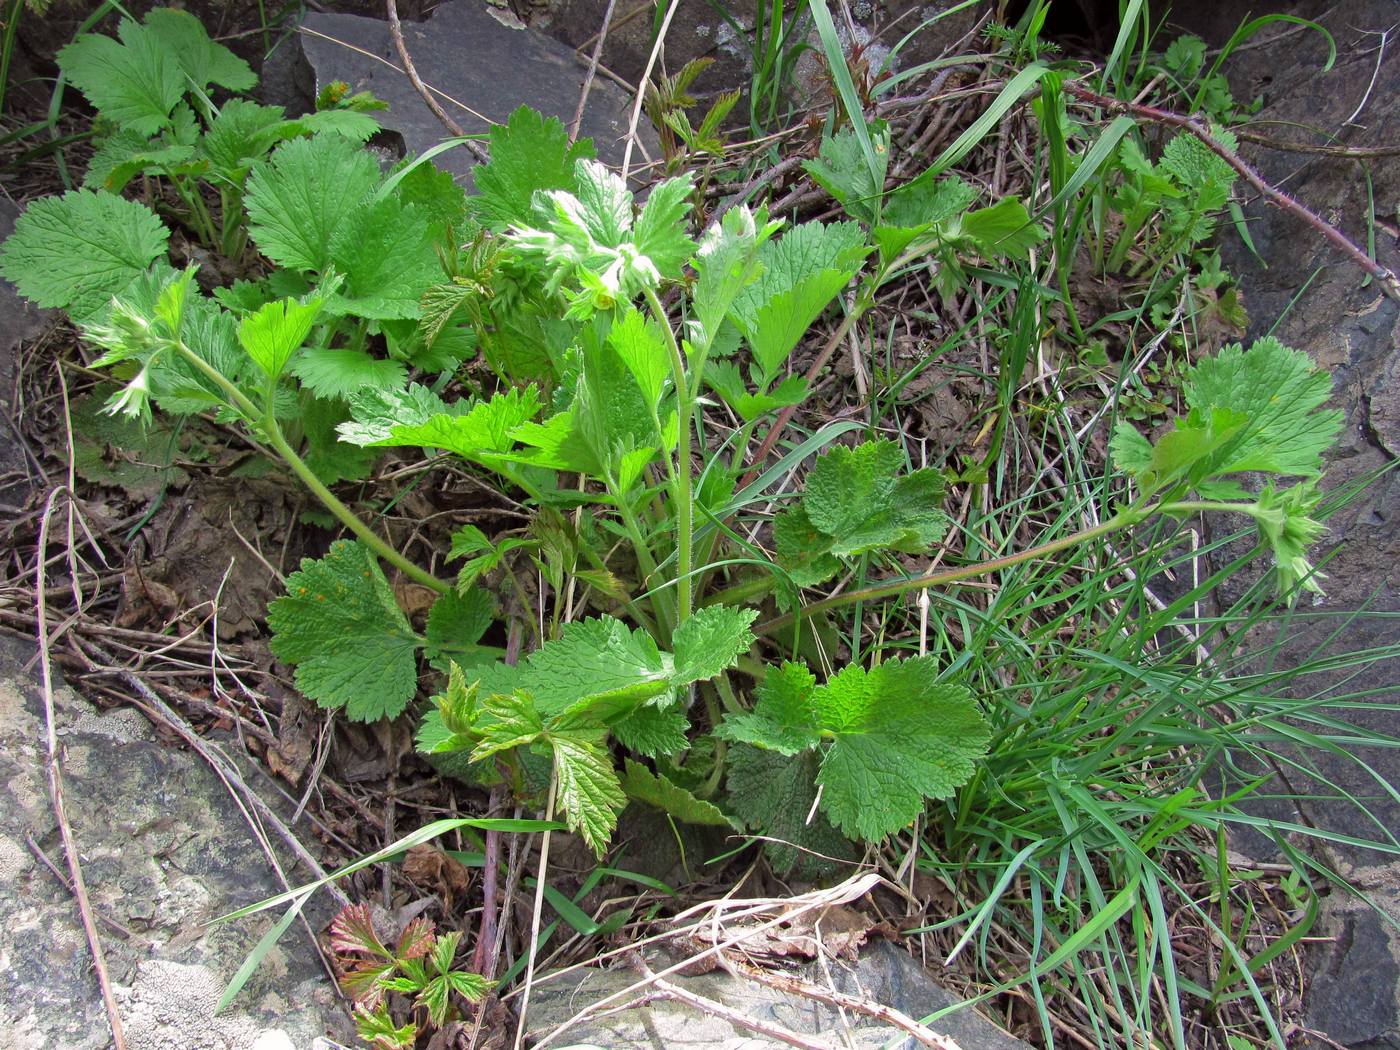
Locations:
(682, 492)
(891, 588)
(267, 423)
(1122, 520)
(645, 559)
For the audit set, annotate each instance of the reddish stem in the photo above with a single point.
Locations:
(1276, 197)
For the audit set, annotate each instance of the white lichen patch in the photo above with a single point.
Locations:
(14, 860)
(124, 725)
(171, 1007)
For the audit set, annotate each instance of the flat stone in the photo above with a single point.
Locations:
(164, 851)
(1352, 996)
(1318, 302)
(485, 68)
(884, 974)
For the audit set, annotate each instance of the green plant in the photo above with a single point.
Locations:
(157, 120)
(420, 967)
(666, 103)
(664, 567)
(601, 389)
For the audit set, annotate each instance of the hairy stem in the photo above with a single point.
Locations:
(645, 560)
(891, 588)
(265, 422)
(683, 490)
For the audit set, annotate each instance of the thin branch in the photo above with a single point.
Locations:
(592, 70)
(642, 87)
(1276, 197)
(706, 1005)
(1350, 152)
(534, 943)
(55, 772)
(841, 1001)
(227, 772)
(411, 71)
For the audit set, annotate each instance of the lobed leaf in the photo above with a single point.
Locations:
(78, 250)
(341, 627)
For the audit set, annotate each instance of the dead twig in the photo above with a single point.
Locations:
(63, 881)
(55, 772)
(1350, 152)
(592, 70)
(841, 1001)
(642, 87)
(853, 888)
(1387, 280)
(411, 71)
(705, 1005)
(228, 773)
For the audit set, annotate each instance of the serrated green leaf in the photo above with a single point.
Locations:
(135, 82)
(653, 789)
(1003, 230)
(419, 418)
(842, 169)
(1281, 392)
(470, 986)
(653, 731)
(803, 271)
(783, 719)
(528, 153)
(726, 380)
(124, 155)
(776, 795)
(660, 231)
(339, 624)
(1194, 165)
(855, 502)
(481, 554)
(927, 201)
(377, 1028)
(338, 372)
(710, 641)
(383, 251)
(899, 737)
(590, 795)
(513, 721)
(329, 458)
(639, 344)
(1131, 451)
(353, 124)
(1286, 523)
(241, 134)
(456, 623)
(1254, 410)
(586, 240)
(300, 198)
(276, 331)
(437, 197)
(204, 62)
(79, 250)
(598, 666)
(726, 262)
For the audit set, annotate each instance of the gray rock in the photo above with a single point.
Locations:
(884, 974)
(164, 850)
(484, 67)
(1318, 301)
(1352, 996)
